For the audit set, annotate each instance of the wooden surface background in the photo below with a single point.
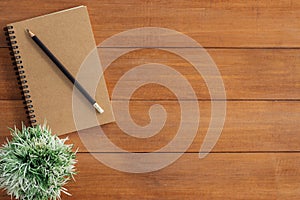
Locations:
(255, 44)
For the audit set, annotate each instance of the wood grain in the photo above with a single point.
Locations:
(255, 45)
(219, 176)
(249, 126)
(246, 73)
(226, 23)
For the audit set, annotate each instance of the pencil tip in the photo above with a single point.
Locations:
(31, 34)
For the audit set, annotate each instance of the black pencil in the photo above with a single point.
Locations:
(65, 71)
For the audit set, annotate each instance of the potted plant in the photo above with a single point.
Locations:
(35, 164)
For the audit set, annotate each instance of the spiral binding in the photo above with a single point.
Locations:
(20, 72)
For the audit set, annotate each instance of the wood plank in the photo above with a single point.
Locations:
(247, 74)
(219, 176)
(9, 88)
(256, 47)
(212, 23)
(249, 126)
(12, 113)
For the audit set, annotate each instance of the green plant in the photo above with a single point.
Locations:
(36, 164)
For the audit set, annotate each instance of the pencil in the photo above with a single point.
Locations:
(65, 71)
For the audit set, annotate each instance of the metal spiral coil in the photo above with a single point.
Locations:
(20, 72)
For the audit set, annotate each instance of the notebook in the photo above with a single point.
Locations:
(47, 92)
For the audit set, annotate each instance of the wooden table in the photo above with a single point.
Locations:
(255, 45)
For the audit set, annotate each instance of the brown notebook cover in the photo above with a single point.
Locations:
(68, 35)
